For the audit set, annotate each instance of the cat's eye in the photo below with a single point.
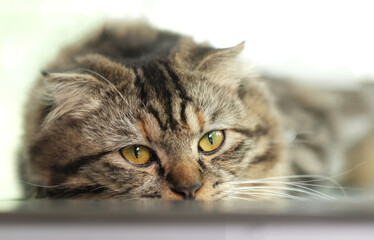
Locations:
(136, 154)
(211, 141)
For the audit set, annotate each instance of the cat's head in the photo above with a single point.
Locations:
(189, 125)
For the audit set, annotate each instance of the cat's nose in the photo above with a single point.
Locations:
(187, 192)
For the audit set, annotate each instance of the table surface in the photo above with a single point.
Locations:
(97, 210)
(185, 220)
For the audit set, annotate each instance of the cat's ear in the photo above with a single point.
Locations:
(218, 57)
(221, 66)
(74, 95)
(69, 95)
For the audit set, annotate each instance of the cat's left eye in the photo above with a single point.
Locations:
(211, 141)
(136, 154)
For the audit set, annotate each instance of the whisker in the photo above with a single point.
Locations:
(309, 192)
(349, 170)
(267, 191)
(321, 178)
(294, 176)
(241, 198)
(274, 194)
(45, 186)
(327, 186)
(300, 185)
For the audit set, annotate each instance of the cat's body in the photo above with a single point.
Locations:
(132, 85)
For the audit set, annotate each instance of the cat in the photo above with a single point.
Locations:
(133, 112)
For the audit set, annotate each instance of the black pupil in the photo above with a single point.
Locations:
(210, 138)
(136, 152)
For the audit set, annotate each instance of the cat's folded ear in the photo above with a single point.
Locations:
(68, 95)
(222, 66)
(218, 57)
(75, 95)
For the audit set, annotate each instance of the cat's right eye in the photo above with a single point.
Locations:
(136, 154)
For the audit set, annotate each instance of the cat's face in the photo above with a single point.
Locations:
(153, 130)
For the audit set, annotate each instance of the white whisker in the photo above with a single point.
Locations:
(321, 178)
(326, 186)
(293, 189)
(297, 184)
(49, 186)
(274, 195)
(241, 198)
(39, 185)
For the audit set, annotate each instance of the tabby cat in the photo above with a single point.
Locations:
(132, 112)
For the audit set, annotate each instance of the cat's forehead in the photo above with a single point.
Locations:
(170, 104)
(164, 86)
(164, 101)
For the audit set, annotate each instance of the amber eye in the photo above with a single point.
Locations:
(211, 141)
(136, 154)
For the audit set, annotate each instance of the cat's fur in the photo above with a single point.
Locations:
(135, 85)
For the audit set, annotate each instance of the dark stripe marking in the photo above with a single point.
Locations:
(233, 154)
(183, 113)
(152, 195)
(74, 166)
(127, 190)
(176, 81)
(257, 132)
(139, 83)
(216, 184)
(182, 94)
(155, 76)
(161, 170)
(169, 178)
(76, 192)
(268, 155)
(156, 115)
(113, 168)
(202, 165)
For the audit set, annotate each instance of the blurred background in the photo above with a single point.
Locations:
(324, 43)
